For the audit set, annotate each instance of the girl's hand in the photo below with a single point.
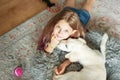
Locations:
(54, 42)
(61, 69)
(51, 45)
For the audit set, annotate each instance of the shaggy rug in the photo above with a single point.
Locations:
(18, 46)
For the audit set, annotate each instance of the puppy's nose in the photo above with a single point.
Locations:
(66, 41)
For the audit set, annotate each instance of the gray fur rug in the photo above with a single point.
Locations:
(45, 63)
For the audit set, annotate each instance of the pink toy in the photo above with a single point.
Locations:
(18, 71)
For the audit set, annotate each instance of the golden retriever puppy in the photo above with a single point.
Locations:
(93, 61)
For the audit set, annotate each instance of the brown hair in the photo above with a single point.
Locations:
(67, 15)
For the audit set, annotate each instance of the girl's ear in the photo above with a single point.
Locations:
(75, 34)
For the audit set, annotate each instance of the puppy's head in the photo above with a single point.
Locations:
(67, 45)
(63, 45)
(71, 44)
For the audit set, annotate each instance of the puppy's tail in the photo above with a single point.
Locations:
(103, 44)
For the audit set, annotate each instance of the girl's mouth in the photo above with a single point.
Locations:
(58, 37)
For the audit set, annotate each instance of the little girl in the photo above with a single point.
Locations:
(70, 22)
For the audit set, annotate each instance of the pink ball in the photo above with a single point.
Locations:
(18, 71)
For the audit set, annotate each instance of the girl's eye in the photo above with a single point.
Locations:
(58, 26)
(66, 31)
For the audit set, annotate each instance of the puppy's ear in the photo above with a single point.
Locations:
(75, 34)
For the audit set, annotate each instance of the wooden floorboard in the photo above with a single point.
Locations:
(15, 12)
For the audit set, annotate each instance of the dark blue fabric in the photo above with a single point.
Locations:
(84, 15)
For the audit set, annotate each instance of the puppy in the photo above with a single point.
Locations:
(92, 60)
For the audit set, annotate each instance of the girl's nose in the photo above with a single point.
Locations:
(59, 31)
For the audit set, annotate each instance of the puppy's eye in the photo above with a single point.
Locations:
(66, 46)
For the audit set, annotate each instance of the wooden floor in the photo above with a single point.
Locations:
(15, 12)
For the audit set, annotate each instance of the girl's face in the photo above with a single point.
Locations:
(62, 30)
